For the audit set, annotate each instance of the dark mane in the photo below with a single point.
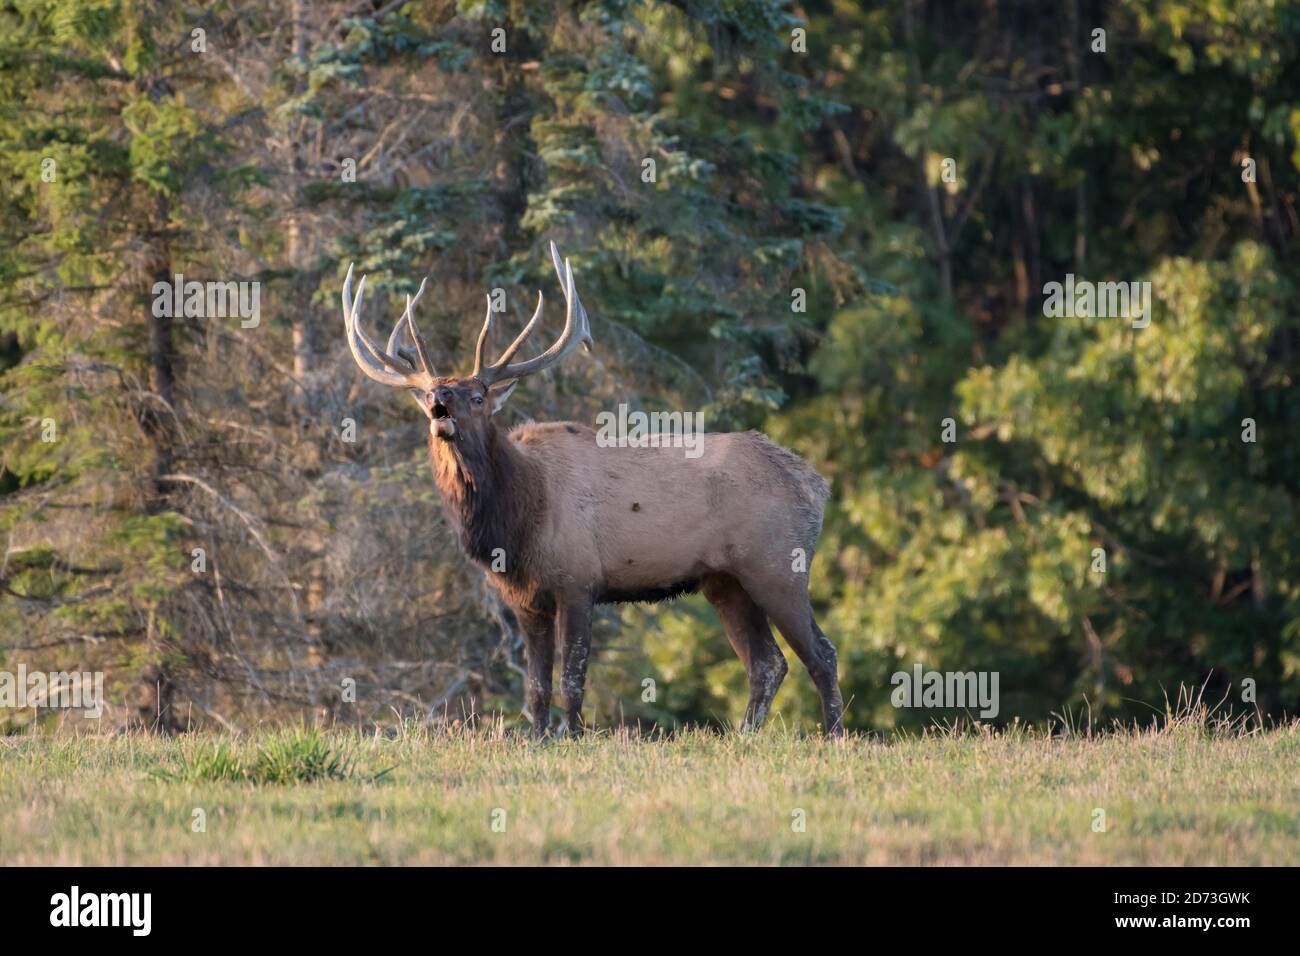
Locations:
(490, 497)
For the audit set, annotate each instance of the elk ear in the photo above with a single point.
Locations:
(417, 395)
(497, 394)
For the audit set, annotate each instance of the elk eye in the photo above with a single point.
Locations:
(478, 399)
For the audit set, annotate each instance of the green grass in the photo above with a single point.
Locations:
(1194, 791)
(297, 755)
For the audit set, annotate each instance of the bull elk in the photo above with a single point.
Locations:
(580, 524)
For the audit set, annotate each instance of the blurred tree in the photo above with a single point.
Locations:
(829, 220)
(1117, 157)
(101, 144)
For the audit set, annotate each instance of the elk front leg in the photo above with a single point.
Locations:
(539, 647)
(573, 625)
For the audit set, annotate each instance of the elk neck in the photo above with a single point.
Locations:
(492, 493)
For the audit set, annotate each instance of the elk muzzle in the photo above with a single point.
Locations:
(441, 422)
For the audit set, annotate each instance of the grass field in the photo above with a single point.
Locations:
(1184, 794)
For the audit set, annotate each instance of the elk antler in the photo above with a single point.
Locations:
(577, 331)
(393, 365)
(402, 367)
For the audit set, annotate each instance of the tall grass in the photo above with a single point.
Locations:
(291, 756)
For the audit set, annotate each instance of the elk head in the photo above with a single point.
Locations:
(459, 409)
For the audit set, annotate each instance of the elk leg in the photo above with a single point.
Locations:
(828, 685)
(793, 616)
(539, 647)
(573, 623)
(749, 633)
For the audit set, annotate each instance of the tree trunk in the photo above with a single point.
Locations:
(304, 320)
(157, 420)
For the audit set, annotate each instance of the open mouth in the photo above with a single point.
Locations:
(441, 422)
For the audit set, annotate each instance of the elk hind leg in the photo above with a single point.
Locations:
(749, 633)
(788, 607)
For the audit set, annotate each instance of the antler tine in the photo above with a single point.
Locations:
(394, 346)
(493, 372)
(513, 347)
(376, 363)
(350, 306)
(360, 333)
(585, 334)
(577, 331)
(421, 347)
(482, 338)
(406, 353)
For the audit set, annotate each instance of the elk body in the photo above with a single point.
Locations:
(578, 524)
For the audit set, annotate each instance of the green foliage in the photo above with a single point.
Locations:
(1073, 434)
(917, 175)
(98, 142)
